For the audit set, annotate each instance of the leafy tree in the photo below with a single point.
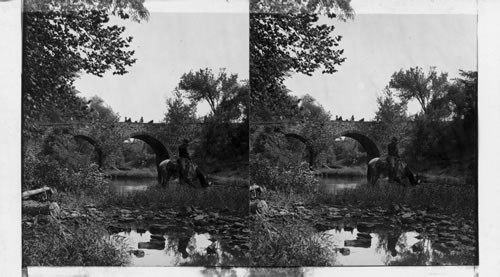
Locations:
(428, 89)
(63, 39)
(225, 129)
(180, 116)
(390, 111)
(99, 111)
(204, 85)
(290, 42)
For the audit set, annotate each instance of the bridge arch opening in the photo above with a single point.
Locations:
(309, 149)
(93, 142)
(160, 151)
(368, 145)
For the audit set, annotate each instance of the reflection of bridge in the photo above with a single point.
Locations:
(106, 137)
(372, 135)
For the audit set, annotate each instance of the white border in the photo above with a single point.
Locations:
(489, 105)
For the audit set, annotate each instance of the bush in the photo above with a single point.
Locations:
(454, 199)
(296, 178)
(296, 244)
(232, 196)
(47, 172)
(55, 244)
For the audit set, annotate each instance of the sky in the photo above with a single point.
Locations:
(179, 37)
(187, 35)
(377, 45)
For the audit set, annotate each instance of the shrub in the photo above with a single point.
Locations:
(55, 244)
(48, 172)
(231, 196)
(297, 178)
(296, 244)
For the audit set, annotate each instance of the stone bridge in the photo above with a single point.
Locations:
(373, 136)
(106, 136)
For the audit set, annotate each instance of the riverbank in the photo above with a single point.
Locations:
(360, 221)
(131, 173)
(88, 221)
(346, 171)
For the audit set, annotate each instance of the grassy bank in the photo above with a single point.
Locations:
(291, 244)
(57, 244)
(450, 199)
(341, 172)
(134, 173)
(232, 196)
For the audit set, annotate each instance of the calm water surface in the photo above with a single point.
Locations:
(334, 184)
(179, 248)
(125, 186)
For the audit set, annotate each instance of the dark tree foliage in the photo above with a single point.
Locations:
(225, 129)
(389, 111)
(286, 42)
(426, 89)
(282, 43)
(62, 39)
(219, 91)
(445, 131)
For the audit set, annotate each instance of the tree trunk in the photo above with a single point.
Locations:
(29, 193)
(31, 207)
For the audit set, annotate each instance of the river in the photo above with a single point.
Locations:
(332, 185)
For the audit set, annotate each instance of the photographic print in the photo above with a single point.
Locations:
(135, 133)
(364, 136)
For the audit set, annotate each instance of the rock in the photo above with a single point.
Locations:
(348, 228)
(445, 222)
(141, 230)
(199, 220)
(239, 225)
(212, 249)
(407, 215)
(452, 243)
(364, 235)
(157, 237)
(137, 253)
(126, 219)
(245, 246)
(158, 228)
(345, 251)
(418, 247)
(335, 217)
(365, 226)
(214, 215)
(185, 210)
(258, 206)
(358, 243)
(118, 228)
(158, 245)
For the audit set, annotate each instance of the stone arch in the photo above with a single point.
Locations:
(94, 143)
(160, 150)
(370, 147)
(308, 146)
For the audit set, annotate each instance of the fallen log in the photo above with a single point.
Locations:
(31, 207)
(30, 193)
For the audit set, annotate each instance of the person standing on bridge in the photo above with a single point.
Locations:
(184, 160)
(392, 158)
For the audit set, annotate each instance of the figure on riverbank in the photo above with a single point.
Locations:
(380, 166)
(392, 158)
(171, 168)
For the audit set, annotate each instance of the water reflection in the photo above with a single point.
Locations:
(180, 247)
(385, 248)
(332, 185)
(125, 186)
